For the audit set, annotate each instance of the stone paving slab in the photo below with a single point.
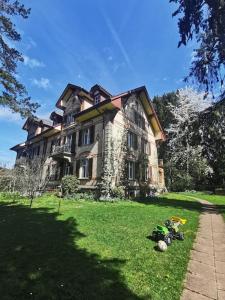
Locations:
(205, 278)
(220, 279)
(202, 270)
(221, 295)
(202, 257)
(190, 295)
(204, 286)
(220, 255)
(205, 249)
(220, 267)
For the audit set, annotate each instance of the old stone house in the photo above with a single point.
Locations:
(98, 137)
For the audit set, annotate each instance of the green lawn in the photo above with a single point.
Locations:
(219, 200)
(92, 250)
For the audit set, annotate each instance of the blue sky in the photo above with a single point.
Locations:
(118, 44)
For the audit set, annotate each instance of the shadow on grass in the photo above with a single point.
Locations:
(39, 259)
(185, 204)
(170, 202)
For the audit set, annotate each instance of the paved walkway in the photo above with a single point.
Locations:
(205, 278)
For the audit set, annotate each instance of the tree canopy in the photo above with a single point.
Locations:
(13, 94)
(204, 21)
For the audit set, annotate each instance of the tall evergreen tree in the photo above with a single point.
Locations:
(204, 21)
(13, 94)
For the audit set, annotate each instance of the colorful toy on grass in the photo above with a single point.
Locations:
(161, 233)
(173, 227)
(170, 231)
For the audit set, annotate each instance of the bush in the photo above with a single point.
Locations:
(118, 192)
(81, 196)
(11, 196)
(69, 185)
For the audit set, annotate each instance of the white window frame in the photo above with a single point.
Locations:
(67, 169)
(145, 146)
(131, 170)
(86, 136)
(69, 139)
(130, 139)
(84, 168)
(146, 173)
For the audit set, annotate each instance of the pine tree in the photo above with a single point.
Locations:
(13, 94)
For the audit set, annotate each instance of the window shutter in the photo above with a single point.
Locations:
(80, 138)
(126, 168)
(149, 148)
(90, 163)
(77, 168)
(92, 134)
(71, 169)
(135, 117)
(64, 119)
(73, 144)
(135, 142)
(137, 170)
(150, 173)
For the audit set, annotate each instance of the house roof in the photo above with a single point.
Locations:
(47, 123)
(100, 88)
(114, 102)
(71, 88)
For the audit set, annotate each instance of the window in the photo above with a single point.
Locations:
(86, 136)
(145, 147)
(69, 139)
(139, 120)
(83, 168)
(131, 170)
(68, 119)
(146, 173)
(52, 145)
(97, 98)
(132, 140)
(44, 147)
(67, 169)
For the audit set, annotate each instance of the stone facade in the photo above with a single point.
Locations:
(97, 136)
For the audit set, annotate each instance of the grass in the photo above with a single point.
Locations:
(219, 200)
(92, 250)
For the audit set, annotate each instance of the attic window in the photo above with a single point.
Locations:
(97, 98)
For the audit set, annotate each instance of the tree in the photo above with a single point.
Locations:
(211, 137)
(185, 160)
(204, 21)
(29, 177)
(13, 93)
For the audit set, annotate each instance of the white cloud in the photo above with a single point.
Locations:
(32, 62)
(43, 83)
(7, 115)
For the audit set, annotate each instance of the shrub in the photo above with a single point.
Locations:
(118, 192)
(69, 185)
(81, 196)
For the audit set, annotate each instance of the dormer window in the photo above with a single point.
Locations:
(97, 98)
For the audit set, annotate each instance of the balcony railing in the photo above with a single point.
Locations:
(61, 149)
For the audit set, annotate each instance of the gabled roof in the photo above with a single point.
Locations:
(115, 102)
(71, 88)
(58, 113)
(100, 88)
(47, 123)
